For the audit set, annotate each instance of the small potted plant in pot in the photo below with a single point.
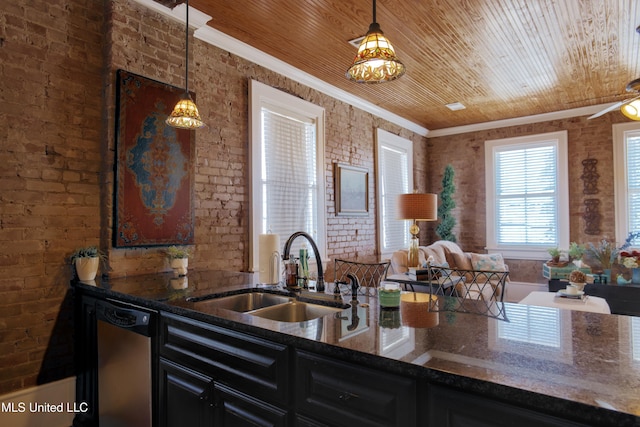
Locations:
(178, 259)
(86, 261)
(555, 255)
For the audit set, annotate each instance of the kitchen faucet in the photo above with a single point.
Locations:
(316, 252)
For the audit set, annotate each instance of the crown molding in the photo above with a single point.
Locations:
(518, 121)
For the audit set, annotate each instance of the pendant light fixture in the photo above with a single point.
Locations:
(185, 114)
(376, 61)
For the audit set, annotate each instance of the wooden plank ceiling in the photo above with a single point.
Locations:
(501, 58)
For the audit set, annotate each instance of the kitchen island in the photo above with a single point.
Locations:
(363, 366)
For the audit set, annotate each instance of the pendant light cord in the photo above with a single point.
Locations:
(186, 65)
(374, 11)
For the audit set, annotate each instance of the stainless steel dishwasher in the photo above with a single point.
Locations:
(124, 364)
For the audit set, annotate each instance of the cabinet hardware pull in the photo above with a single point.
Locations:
(347, 396)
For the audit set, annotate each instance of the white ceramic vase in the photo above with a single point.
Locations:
(87, 268)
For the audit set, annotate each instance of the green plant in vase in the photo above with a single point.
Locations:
(178, 259)
(605, 253)
(575, 253)
(86, 261)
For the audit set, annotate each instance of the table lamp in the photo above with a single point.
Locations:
(417, 207)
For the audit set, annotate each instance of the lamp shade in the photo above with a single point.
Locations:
(631, 109)
(185, 115)
(418, 206)
(376, 59)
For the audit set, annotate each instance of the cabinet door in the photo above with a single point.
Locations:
(238, 360)
(239, 410)
(186, 397)
(346, 394)
(453, 408)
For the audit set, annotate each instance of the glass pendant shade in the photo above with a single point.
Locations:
(185, 115)
(376, 60)
(631, 109)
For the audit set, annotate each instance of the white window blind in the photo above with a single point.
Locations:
(626, 167)
(395, 177)
(288, 183)
(633, 181)
(287, 170)
(527, 188)
(526, 195)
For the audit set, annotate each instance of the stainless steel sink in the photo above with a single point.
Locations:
(244, 302)
(271, 306)
(295, 311)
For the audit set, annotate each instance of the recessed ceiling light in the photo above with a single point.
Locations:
(455, 106)
(356, 42)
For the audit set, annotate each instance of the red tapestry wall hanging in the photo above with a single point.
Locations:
(154, 166)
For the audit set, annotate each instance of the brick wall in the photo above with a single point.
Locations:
(587, 139)
(50, 123)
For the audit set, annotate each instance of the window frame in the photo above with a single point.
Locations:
(261, 95)
(387, 139)
(529, 252)
(621, 196)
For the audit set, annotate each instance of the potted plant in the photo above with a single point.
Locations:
(604, 254)
(86, 261)
(178, 259)
(555, 254)
(575, 253)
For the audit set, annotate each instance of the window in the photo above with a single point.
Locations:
(626, 160)
(527, 195)
(287, 167)
(395, 176)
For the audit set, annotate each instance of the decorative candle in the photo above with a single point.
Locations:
(414, 309)
(269, 258)
(389, 294)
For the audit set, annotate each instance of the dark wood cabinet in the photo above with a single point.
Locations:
(453, 408)
(346, 394)
(86, 356)
(221, 377)
(186, 397)
(238, 360)
(622, 299)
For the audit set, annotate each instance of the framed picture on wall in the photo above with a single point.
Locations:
(154, 177)
(351, 190)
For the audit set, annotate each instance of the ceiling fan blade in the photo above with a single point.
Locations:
(613, 107)
(608, 109)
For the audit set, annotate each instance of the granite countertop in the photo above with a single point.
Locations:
(548, 356)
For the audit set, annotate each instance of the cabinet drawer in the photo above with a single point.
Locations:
(347, 394)
(238, 409)
(239, 360)
(453, 408)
